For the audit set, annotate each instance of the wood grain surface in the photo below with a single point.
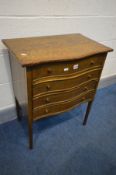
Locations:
(62, 106)
(60, 84)
(36, 50)
(51, 98)
(66, 68)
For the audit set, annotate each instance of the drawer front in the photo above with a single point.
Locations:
(64, 95)
(64, 83)
(70, 67)
(52, 109)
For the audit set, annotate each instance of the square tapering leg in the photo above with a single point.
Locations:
(87, 112)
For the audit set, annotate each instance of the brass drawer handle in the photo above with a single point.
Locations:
(49, 70)
(47, 100)
(48, 87)
(46, 110)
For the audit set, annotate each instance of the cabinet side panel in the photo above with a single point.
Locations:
(19, 81)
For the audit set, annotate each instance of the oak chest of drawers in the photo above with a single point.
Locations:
(53, 74)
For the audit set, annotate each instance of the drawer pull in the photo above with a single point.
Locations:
(48, 87)
(49, 70)
(47, 100)
(46, 110)
(89, 76)
(83, 98)
(92, 63)
(85, 88)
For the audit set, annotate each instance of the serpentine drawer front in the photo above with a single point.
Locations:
(61, 106)
(48, 98)
(54, 74)
(66, 68)
(63, 83)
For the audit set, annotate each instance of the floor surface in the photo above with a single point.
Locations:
(62, 145)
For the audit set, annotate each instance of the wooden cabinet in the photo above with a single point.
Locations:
(54, 74)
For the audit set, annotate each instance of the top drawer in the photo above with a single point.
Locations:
(69, 67)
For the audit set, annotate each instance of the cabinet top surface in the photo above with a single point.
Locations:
(36, 50)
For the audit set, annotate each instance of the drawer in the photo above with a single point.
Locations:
(67, 67)
(52, 109)
(64, 95)
(65, 83)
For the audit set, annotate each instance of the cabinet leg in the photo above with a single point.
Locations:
(18, 109)
(30, 134)
(87, 112)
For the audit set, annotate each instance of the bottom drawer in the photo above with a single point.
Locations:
(58, 107)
